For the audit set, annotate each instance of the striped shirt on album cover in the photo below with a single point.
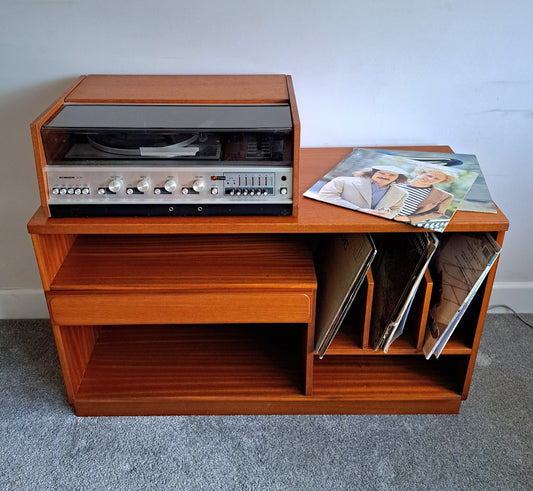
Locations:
(414, 197)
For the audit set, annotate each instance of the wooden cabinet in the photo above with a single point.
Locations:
(215, 315)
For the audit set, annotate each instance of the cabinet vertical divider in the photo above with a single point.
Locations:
(421, 310)
(368, 295)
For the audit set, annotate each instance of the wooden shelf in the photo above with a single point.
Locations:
(344, 344)
(187, 362)
(184, 263)
(239, 369)
(393, 380)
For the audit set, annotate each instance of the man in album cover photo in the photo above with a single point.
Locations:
(372, 190)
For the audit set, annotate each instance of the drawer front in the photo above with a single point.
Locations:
(185, 308)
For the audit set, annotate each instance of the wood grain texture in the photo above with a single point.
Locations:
(485, 291)
(213, 362)
(153, 271)
(198, 307)
(176, 89)
(313, 216)
(298, 405)
(344, 345)
(186, 263)
(50, 252)
(296, 145)
(202, 279)
(38, 148)
(420, 310)
(74, 348)
(247, 370)
(366, 309)
(370, 377)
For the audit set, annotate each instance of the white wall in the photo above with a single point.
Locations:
(374, 72)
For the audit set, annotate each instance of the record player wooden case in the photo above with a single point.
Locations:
(257, 109)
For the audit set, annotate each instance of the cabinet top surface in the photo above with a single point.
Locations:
(313, 216)
(180, 89)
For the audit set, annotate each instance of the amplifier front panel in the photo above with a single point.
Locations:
(159, 185)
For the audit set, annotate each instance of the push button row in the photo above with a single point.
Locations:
(63, 191)
(248, 191)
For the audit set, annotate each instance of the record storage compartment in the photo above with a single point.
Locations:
(237, 340)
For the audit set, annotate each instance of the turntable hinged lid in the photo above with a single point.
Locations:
(172, 116)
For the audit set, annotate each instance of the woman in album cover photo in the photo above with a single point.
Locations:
(424, 201)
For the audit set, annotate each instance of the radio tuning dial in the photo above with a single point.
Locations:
(143, 185)
(198, 185)
(115, 185)
(170, 186)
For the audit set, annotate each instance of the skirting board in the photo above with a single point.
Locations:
(517, 295)
(22, 303)
(30, 303)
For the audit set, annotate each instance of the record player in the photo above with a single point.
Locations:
(169, 146)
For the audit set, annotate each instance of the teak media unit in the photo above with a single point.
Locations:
(215, 315)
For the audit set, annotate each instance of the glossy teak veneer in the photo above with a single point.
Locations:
(215, 315)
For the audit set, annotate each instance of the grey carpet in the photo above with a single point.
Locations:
(489, 445)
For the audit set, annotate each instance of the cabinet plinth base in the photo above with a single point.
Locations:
(297, 405)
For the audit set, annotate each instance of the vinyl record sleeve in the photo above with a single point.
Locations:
(461, 264)
(399, 265)
(342, 263)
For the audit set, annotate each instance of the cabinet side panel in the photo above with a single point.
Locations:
(38, 149)
(50, 252)
(489, 282)
(296, 146)
(74, 347)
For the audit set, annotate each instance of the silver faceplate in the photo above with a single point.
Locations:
(70, 184)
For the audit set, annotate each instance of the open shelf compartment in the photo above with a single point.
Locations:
(135, 368)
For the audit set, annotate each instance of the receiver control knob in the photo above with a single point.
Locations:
(170, 186)
(143, 185)
(198, 185)
(115, 185)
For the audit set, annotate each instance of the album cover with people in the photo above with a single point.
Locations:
(478, 199)
(395, 188)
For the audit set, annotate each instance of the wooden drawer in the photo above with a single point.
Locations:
(86, 309)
